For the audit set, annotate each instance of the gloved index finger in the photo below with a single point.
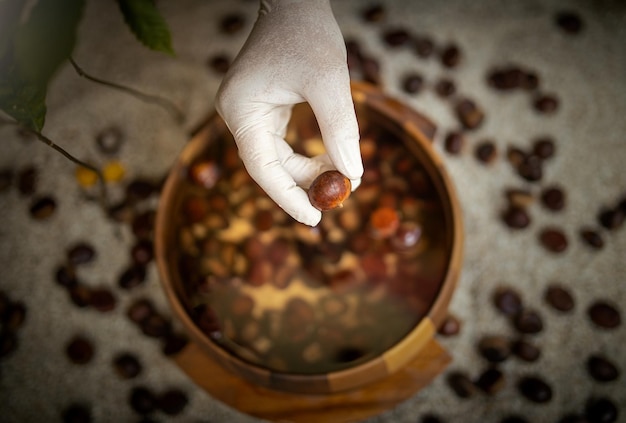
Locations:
(257, 150)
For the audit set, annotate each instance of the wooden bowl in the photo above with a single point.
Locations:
(374, 109)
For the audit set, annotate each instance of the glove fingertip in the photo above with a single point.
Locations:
(312, 220)
(354, 170)
(309, 215)
(355, 183)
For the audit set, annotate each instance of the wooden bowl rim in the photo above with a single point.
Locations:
(378, 367)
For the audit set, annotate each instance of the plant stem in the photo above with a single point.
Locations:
(41, 137)
(166, 104)
(103, 190)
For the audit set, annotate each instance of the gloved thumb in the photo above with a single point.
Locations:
(331, 101)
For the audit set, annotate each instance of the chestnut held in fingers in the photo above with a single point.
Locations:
(329, 190)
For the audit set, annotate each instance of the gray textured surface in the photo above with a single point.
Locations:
(587, 72)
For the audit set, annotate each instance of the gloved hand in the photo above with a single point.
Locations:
(295, 53)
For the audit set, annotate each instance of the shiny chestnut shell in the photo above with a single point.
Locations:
(329, 190)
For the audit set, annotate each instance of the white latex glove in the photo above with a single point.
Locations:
(295, 53)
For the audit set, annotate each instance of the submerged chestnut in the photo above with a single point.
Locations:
(329, 190)
(255, 337)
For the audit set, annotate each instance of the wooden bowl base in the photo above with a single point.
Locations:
(277, 406)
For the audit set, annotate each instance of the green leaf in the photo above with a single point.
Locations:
(10, 11)
(24, 101)
(145, 21)
(30, 54)
(47, 39)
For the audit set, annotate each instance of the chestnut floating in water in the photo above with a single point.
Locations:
(329, 190)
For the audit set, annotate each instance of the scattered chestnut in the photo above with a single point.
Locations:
(329, 190)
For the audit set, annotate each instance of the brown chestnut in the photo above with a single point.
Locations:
(384, 222)
(329, 190)
(205, 173)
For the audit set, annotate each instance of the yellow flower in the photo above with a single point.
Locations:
(85, 177)
(113, 171)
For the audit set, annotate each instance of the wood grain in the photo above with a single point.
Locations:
(350, 406)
